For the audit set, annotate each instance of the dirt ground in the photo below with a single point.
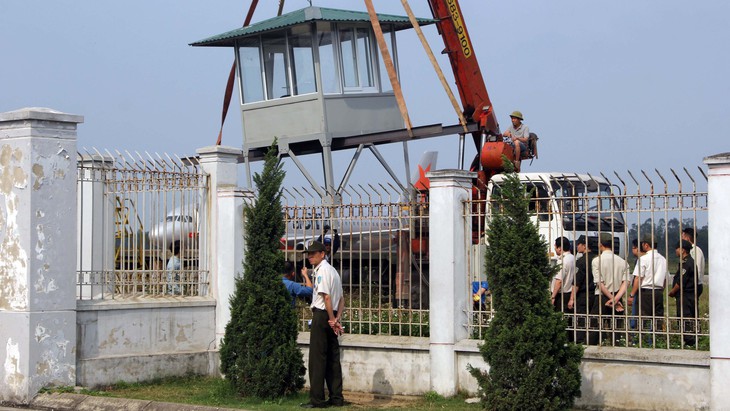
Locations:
(368, 400)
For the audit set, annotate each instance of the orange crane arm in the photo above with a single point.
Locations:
(469, 81)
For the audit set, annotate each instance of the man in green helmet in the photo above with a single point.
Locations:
(519, 134)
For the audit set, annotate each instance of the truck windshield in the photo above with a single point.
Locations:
(588, 206)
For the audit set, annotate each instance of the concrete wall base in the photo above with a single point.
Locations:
(381, 364)
(97, 372)
(129, 341)
(613, 378)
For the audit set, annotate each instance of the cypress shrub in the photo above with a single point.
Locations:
(259, 353)
(532, 366)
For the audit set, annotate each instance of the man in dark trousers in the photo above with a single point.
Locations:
(584, 287)
(683, 289)
(610, 274)
(328, 305)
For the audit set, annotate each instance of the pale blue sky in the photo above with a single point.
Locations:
(616, 85)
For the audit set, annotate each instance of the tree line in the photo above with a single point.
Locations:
(667, 233)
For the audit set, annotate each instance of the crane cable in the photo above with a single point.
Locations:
(432, 58)
(232, 75)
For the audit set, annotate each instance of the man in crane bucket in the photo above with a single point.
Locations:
(518, 134)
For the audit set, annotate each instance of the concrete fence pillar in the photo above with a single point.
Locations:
(449, 233)
(225, 229)
(37, 251)
(718, 190)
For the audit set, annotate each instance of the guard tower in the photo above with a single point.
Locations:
(313, 79)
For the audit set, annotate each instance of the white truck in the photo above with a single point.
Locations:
(572, 205)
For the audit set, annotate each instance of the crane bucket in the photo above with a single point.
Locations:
(491, 155)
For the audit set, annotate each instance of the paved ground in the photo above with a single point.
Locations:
(70, 402)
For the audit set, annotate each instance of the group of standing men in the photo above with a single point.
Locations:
(593, 285)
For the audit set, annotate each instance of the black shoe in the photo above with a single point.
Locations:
(310, 405)
(340, 403)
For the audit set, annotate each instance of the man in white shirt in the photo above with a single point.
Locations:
(650, 274)
(328, 305)
(610, 273)
(688, 234)
(562, 287)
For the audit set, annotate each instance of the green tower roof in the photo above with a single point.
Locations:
(308, 14)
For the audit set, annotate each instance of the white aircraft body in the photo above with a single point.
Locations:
(180, 224)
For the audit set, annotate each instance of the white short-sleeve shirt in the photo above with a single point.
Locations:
(699, 256)
(652, 269)
(609, 269)
(326, 281)
(566, 274)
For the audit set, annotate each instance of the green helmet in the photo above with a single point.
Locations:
(517, 114)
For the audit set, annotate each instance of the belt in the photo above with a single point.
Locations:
(315, 309)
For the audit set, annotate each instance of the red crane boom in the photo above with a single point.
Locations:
(469, 80)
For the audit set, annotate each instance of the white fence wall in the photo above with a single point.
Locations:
(142, 338)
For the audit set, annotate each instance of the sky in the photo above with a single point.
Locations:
(608, 86)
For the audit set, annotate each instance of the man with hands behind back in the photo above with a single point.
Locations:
(328, 305)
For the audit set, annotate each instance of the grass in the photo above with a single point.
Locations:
(216, 392)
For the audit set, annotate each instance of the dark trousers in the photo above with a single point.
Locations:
(582, 308)
(687, 311)
(324, 361)
(610, 320)
(561, 305)
(651, 303)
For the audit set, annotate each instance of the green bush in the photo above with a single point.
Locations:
(259, 353)
(532, 365)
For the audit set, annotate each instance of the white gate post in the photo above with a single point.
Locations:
(37, 251)
(95, 222)
(448, 236)
(718, 190)
(225, 229)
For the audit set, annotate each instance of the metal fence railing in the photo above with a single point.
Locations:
(375, 237)
(657, 211)
(139, 223)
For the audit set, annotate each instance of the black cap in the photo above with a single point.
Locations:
(314, 247)
(581, 240)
